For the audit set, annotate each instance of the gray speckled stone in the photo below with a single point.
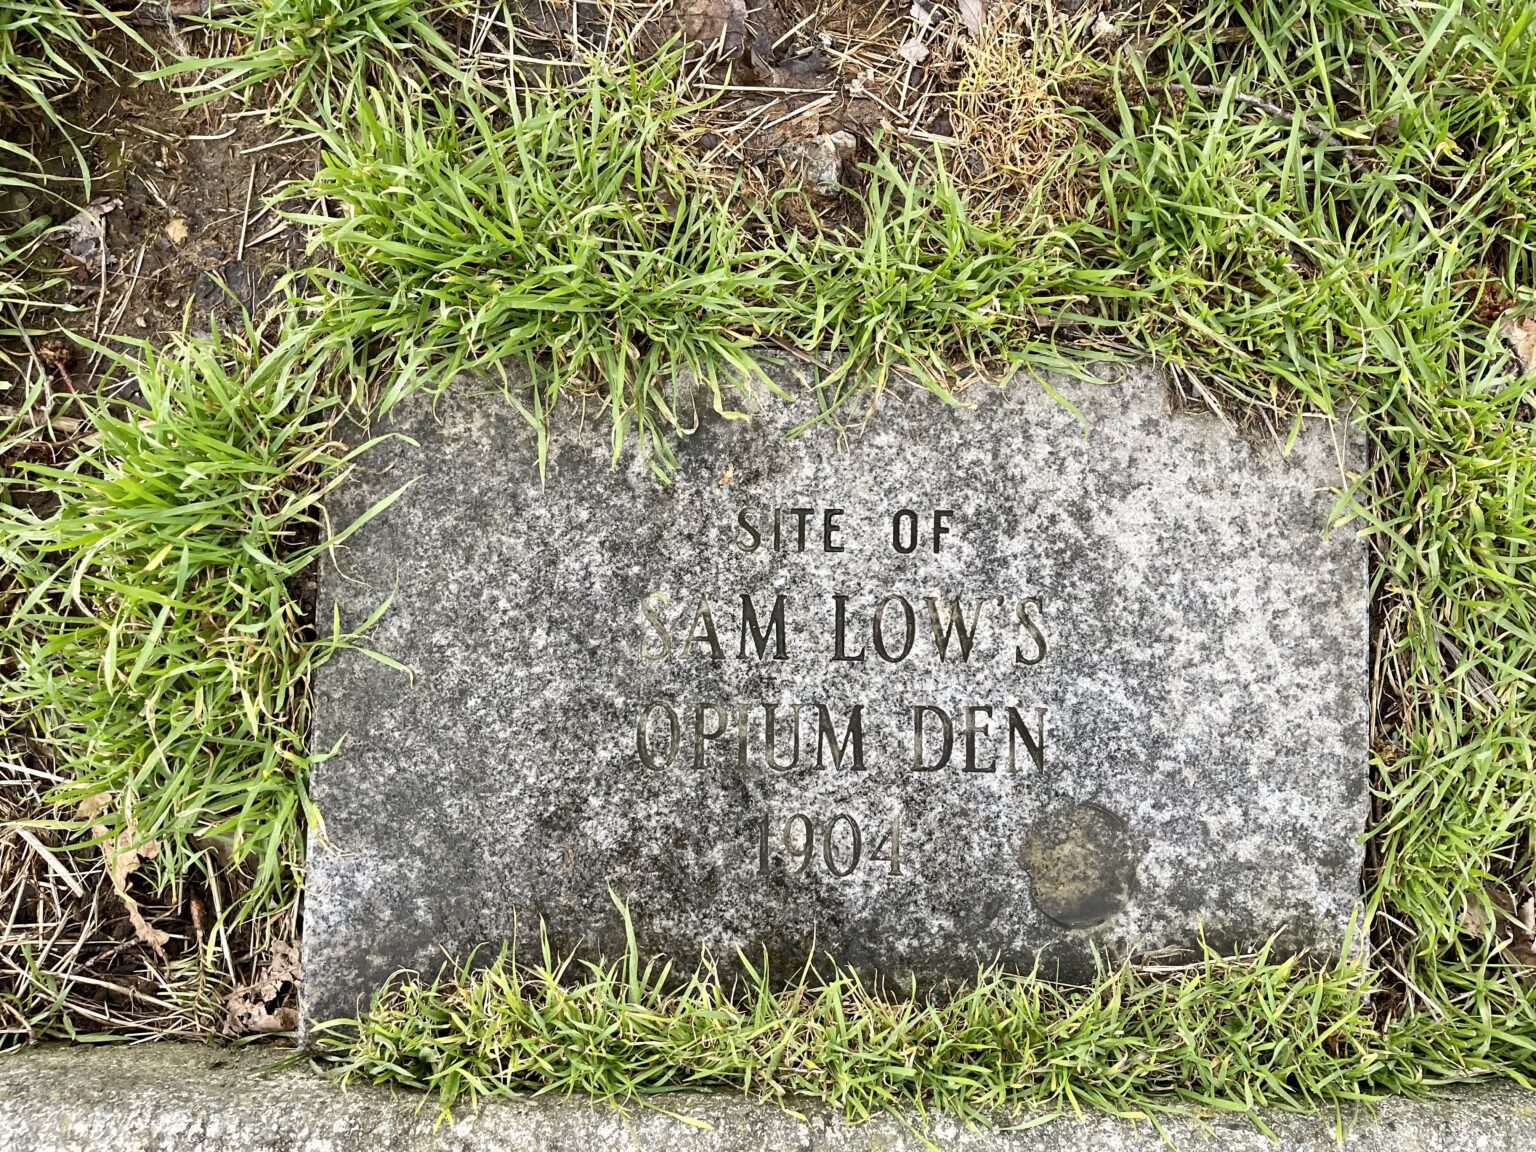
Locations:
(191, 1098)
(1172, 647)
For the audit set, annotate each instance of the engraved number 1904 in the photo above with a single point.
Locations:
(839, 843)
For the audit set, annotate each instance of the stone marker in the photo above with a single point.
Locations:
(995, 682)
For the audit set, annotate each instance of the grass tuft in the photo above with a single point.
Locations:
(925, 289)
(570, 230)
(323, 56)
(154, 625)
(563, 229)
(1221, 1033)
(48, 49)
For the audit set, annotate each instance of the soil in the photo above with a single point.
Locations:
(182, 197)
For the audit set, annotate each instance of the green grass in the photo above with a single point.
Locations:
(569, 230)
(1297, 205)
(1232, 1035)
(1285, 271)
(320, 55)
(154, 638)
(570, 235)
(924, 289)
(25, 302)
(48, 47)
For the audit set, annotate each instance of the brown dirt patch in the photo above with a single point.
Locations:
(181, 195)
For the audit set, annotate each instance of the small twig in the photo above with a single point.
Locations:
(1269, 108)
(275, 230)
(245, 215)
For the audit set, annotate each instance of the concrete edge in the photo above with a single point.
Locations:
(196, 1098)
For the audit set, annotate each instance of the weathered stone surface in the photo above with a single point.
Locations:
(191, 1098)
(1171, 645)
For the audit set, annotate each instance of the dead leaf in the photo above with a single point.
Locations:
(93, 806)
(718, 25)
(1520, 333)
(1106, 29)
(88, 233)
(922, 17)
(1523, 949)
(1473, 921)
(1522, 944)
(914, 51)
(1502, 901)
(973, 14)
(1502, 922)
(176, 231)
(286, 963)
(258, 1006)
(818, 161)
(124, 853)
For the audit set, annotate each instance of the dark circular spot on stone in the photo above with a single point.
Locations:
(1082, 865)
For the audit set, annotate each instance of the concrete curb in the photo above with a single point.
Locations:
(191, 1098)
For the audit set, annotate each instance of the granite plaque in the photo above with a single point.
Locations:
(1024, 679)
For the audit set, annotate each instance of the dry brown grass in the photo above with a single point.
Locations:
(1014, 128)
(88, 950)
(70, 958)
